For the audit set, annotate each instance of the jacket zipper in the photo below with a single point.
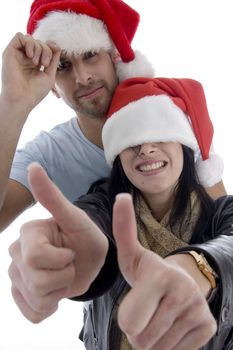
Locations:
(121, 287)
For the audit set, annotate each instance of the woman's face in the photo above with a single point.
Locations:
(153, 168)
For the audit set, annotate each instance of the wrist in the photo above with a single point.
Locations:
(188, 263)
(14, 108)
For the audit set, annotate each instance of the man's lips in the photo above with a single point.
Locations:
(90, 93)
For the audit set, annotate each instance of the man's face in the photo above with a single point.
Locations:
(87, 82)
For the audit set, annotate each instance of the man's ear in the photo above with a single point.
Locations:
(54, 91)
(115, 57)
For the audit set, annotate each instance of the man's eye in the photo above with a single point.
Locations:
(63, 65)
(89, 54)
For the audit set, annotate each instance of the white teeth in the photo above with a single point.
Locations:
(150, 167)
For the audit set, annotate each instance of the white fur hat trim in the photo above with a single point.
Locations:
(73, 32)
(78, 33)
(138, 67)
(150, 119)
(210, 171)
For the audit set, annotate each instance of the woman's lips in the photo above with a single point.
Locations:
(151, 167)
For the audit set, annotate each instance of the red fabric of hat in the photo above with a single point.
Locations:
(120, 19)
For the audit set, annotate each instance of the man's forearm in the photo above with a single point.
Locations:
(12, 119)
(216, 191)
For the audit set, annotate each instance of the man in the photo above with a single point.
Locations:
(89, 65)
(87, 50)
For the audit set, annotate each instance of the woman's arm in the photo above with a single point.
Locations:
(57, 257)
(218, 250)
(188, 263)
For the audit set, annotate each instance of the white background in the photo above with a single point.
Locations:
(183, 38)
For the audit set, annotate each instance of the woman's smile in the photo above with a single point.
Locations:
(151, 167)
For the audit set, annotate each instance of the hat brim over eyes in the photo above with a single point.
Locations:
(150, 119)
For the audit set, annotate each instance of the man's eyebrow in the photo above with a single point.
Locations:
(68, 56)
(63, 55)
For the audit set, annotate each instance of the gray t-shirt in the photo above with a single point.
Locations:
(72, 162)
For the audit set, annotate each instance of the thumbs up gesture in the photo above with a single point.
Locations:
(165, 308)
(57, 257)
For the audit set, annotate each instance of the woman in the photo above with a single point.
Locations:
(163, 273)
(155, 126)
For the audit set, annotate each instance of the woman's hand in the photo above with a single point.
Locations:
(54, 258)
(165, 309)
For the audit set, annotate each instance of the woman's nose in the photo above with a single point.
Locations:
(148, 148)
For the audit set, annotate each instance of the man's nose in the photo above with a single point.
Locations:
(82, 75)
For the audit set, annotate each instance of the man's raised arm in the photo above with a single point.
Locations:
(28, 74)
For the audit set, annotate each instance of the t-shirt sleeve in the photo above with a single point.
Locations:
(31, 152)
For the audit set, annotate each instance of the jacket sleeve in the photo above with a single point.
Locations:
(97, 205)
(218, 250)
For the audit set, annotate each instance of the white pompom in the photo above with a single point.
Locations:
(139, 67)
(210, 171)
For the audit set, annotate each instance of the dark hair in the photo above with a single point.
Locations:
(188, 182)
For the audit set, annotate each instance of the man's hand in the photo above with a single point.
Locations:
(54, 258)
(28, 70)
(165, 309)
(28, 74)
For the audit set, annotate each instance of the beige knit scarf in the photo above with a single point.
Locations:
(158, 237)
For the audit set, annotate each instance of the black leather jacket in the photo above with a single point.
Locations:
(216, 241)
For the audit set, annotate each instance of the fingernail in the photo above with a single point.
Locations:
(72, 256)
(46, 61)
(123, 195)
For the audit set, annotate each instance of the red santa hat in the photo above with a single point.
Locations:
(90, 25)
(162, 110)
